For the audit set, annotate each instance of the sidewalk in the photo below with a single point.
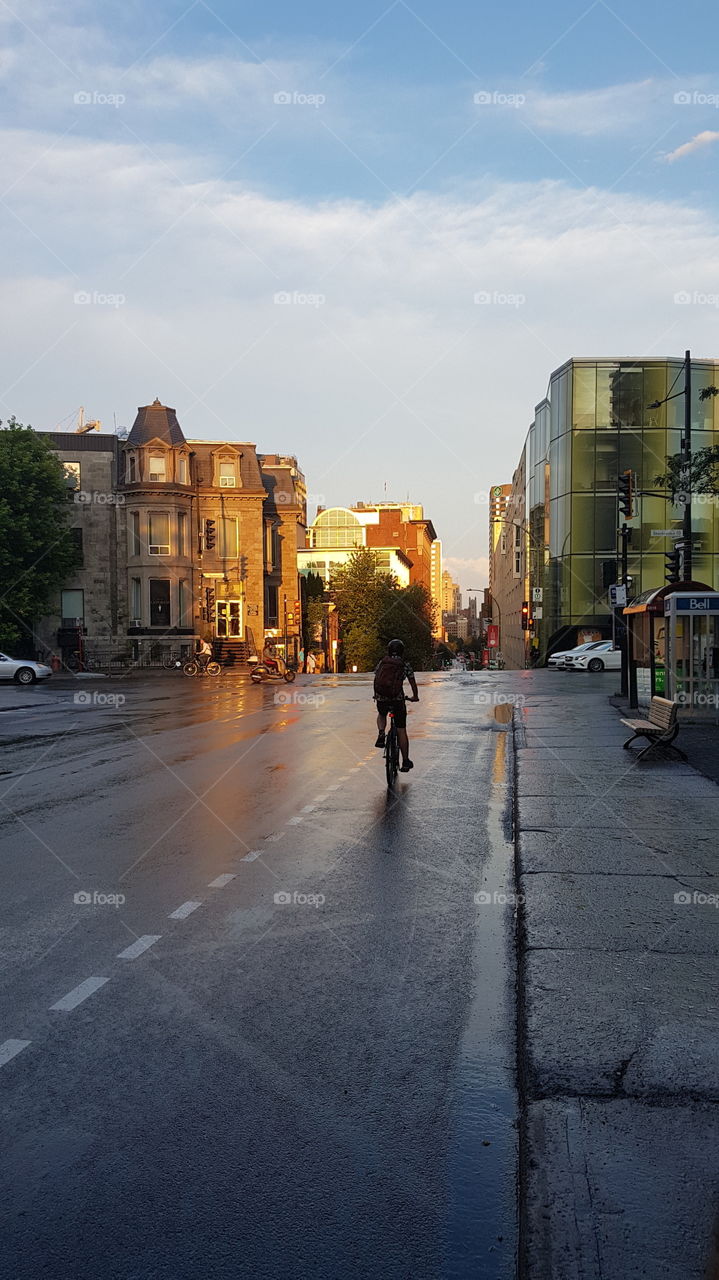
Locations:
(619, 1019)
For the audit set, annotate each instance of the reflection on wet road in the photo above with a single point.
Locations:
(257, 1014)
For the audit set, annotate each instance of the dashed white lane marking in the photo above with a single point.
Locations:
(221, 881)
(335, 787)
(319, 799)
(78, 994)
(136, 949)
(276, 835)
(250, 857)
(309, 807)
(185, 910)
(345, 777)
(293, 822)
(11, 1048)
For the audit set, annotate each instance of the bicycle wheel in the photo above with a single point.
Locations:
(391, 755)
(213, 668)
(190, 668)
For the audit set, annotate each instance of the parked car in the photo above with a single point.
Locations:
(603, 658)
(21, 670)
(557, 660)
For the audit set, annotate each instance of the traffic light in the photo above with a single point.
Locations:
(525, 615)
(209, 534)
(209, 603)
(671, 565)
(626, 494)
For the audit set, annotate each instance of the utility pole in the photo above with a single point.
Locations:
(687, 459)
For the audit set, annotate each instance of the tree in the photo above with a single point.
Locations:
(374, 609)
(313, 590)
(701, 475)
(37, 552)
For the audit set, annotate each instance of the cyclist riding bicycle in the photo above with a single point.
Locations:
(204, 653)
(389, 677)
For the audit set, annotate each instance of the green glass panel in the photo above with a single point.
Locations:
(605, 524)
(583, 449)
(607, 461)
(582, 536)
(584, 602)
(584, 392)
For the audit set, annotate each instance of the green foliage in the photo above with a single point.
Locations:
(37, 553)
(374, 609)
(701, 477)
(313, 590)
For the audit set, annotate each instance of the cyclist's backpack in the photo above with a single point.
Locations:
(389, 678)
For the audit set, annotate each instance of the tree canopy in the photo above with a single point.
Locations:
(37, 552)
(374, 609)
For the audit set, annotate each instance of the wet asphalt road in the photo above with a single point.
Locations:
(315, 1084)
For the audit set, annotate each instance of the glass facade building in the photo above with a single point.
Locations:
(594, 425)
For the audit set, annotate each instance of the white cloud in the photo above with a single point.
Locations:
(395, 376)
(615, 109)
(697, 143)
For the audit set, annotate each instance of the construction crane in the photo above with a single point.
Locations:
(82, 427)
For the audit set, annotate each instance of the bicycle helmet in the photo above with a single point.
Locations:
(395, 648)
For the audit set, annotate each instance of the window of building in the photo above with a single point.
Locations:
(337, 527)
(503, 544)
(517, 564)
(159, 533)
(76, 535)
(272, 547)
(135, 542)
(72, 607)
(136, 600)
(271, 606)
(228, 477)
(227, 539)
(159, 602)
(158, 468)
(130, 469)
(182, 533)
(183, 601)
(72, 475)
(182, 470)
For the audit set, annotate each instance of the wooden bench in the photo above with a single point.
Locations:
(661, 728)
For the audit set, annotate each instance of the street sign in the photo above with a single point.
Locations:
(618, 596)
(537, 595)
(538, 613)
(666, 533)
(492, 636)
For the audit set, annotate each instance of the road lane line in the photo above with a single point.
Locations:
(309, 807)
(319, 799)
(78, 994)
(11, 1048)
(136, 949)
(293, 822)
(250, 857)
(184, 911)
(221, 881)
(276, 835)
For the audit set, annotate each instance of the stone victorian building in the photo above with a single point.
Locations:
(181, 539)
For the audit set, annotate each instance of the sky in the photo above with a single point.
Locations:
(363, 234)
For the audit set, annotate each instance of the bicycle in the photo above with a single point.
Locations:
(193, 668)
(391, 751)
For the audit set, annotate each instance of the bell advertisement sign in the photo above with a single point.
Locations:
(492, 636)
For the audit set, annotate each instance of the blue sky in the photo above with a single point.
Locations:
(363, 233)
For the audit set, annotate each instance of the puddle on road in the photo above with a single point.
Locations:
(481, 1225)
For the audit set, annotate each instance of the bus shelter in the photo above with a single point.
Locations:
(692, 652)
(647, 626)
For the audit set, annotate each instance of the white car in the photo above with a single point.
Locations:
(558, 660)
(21, 670)
(603, 658)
